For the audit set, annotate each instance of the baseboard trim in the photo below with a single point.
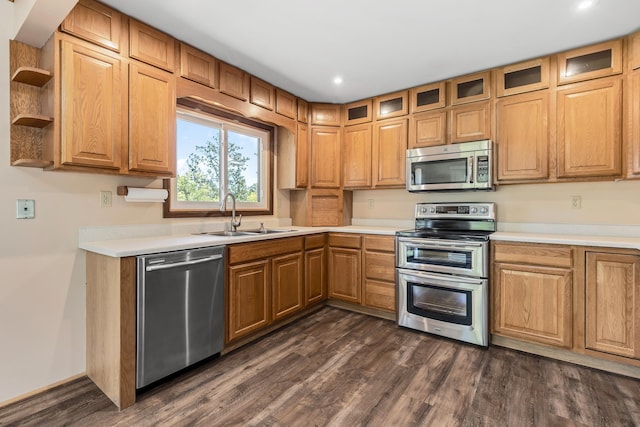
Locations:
(361, 309)
(41, 390)
(567, 356)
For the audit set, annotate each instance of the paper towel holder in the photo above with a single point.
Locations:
(142, 194)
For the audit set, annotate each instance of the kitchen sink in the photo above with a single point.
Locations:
(241, 233)
(225, 233)
(266, 231)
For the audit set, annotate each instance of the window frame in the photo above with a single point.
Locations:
(172, 210)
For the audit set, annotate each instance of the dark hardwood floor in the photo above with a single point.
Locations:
(341, 368)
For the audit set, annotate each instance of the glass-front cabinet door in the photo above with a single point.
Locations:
(523, 77)
(600, 60)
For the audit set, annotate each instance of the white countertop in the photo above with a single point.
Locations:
(114, 241)
(569, 239)
(165, 243)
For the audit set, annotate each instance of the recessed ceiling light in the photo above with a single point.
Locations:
(337, 80)
(586, 4)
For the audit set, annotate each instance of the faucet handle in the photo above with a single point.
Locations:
(238, 221)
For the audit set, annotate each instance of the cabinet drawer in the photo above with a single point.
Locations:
(345, 240)
(380, 295)
(264, 249)
(534, 254)
(315, 241)
(380, 243)
(380, 266)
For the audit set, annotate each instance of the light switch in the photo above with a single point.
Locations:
(25, 209)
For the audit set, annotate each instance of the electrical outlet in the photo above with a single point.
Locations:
(105, 199)
(370, 202)
(576, 202)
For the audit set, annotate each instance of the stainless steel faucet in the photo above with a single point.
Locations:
(223, 207)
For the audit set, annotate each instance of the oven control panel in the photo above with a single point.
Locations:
(470, 210)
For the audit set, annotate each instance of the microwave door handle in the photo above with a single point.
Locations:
(472, 160)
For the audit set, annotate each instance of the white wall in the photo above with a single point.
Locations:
(610, 203)
(42, 276)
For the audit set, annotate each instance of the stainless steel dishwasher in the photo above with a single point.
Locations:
(180, 311)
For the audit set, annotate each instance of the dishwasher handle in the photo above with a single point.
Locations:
(182, 263)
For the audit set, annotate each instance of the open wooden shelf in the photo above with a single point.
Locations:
(32, 120)
(32, 163)
(31, 76)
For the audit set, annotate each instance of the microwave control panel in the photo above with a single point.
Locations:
(483, 169)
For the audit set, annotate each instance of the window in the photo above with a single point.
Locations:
(217, 155)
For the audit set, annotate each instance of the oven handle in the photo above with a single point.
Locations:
(442, 278)
(421, 244)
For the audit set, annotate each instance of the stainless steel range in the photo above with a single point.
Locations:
(443, 268)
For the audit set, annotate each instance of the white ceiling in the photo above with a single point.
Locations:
(379, 47)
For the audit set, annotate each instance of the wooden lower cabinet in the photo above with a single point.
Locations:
(315, 268)
(265, 284)
(287, 285)
(379, 285)
(584, 299)
(345, 274)
(533, 303)
(612, 323)
(362, 270)
(249, 298)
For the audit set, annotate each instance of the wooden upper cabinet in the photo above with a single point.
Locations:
(356, 155)
(198, 66)
(325, 114)
(93, 107)
(612, 298)
(471, 88)
(589, 126)
(262, 94)
(149, 45)
(303, 111)
(389, 153)
(634, 50)
(286, 104)
(523, 77)
(357, 112)
(302, 156)
(152, 118)
(427, 97)
(633, 113)
(428, 129)
(391, 105)
(94, 22)
(599, 60)
(523, 137)
(470, 122)
(234, 82)
(325, 157)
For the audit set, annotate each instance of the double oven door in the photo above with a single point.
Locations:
(442, 287)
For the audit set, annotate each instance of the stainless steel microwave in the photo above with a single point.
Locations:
(464, 166)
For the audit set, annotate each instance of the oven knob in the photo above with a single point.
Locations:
(483, 210)
(423, 210)
(473, 210)
(432, 210)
